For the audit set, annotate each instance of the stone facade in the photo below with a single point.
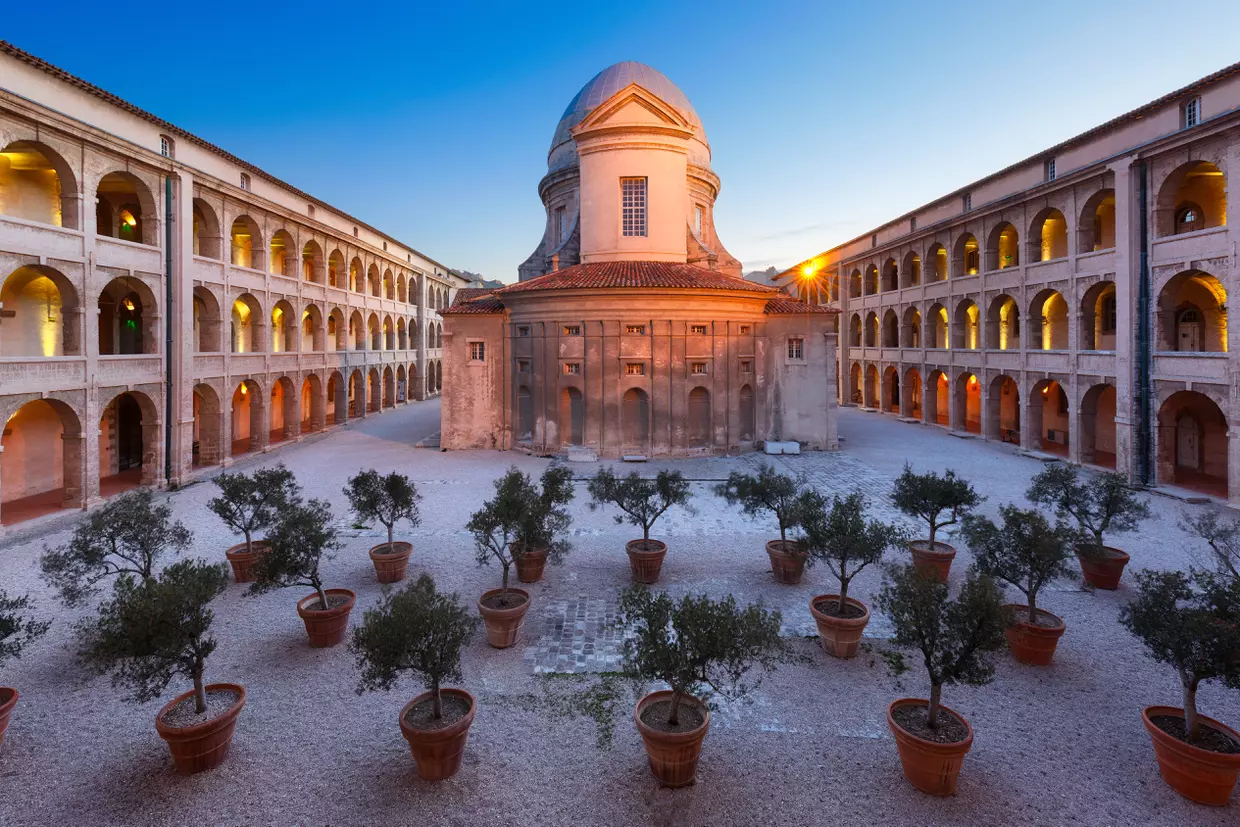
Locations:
(1074, 303)
(156, 291)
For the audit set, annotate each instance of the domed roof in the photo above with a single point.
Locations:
(610, 81)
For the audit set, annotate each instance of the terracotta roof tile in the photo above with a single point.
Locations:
(473, 300)
(612, 274)
(793, 306)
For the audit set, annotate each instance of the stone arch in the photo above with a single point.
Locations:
(438, 376)
(313, 339)
(357, 330)
(1098, 317)
(337, 337)
(854, 284)
(246, 240)
(357, 394)
(402, 385)
(285, 411)
(374, 396)
(1003, 410)
(208, 239)
(207, 322)
(1192, 443)
(910, 270)
(938, 399)
(389, 285)
(872, 389)
(910, 400)
(854, 330)
(1096, 229)
(1193, 197)
(402, 336)
(525, 415)
(401, 294)
(1192, 314)
(1049, 417)
(39, 185)
(312, 262)
(416, 391)
(1048, 321)
(282, 255)
(335, 269)
(208, 445)
(1002, 247)
(890, 399)
(966, 330)
(699, 418)
(130, 436)
(936, 263)
(911, 328)
(249, 418)
(125, 209)
(373, 280)
(1097, 425)
(1048, 235)
(313, 404)
(41, 460)
(355, 276)
(966, 257)
(871, 280)
(248, 325)
(336, 404)
(891, 329)
(747, 414)
(635, 420)
(968, 412)
(128, 318)
(1003, 323)
(41, 315)
(284, 327)
(389, 387)
(572, 417)
(854, 384)
(939, 328)
(389, 334)
(891, 276)
(374, 332)
(871, 329)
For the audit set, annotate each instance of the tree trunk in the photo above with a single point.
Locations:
(843, 594)
(1191, 723)
(932, 711)
(318, 587)
(200, 691)
(932, 531)
(504, 589)
(645, 535)
(1033, 609)
(782, 534)
(436, 701)
(673, 715)
(249, 544)
(391, 545)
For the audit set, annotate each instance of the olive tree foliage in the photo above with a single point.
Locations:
(127, 535)
(249, 504)
(1026, 551)
(416, 630)
(1190, 621)
(939, 501)
(1100, 503)
(698, 645)
(546, 519)
(1223, 537)
(152, 630)
(300, 540)
(767, 490)
(17, 630)
(388, 498)
(842, 537)
(497, 525)
(956, 638)
(643, 501)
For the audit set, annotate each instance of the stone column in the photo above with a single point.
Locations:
(1127, 275)
(1233, 463)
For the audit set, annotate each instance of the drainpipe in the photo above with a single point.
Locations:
(169, 318)
(1144, 430)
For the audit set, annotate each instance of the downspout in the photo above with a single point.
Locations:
(169, 318)
(1144, 431)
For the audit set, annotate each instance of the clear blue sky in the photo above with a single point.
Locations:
(433, 122)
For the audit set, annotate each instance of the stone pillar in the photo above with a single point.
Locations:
(1127, 275)
(1075, 426)
(990, 408)
(1233, 463)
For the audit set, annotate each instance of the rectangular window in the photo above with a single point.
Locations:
(523, 330)
(561, 225)
(310, 210)
(796, 348)
(165, 146)
(635, 369)
(1192, 112)
(633, 206)
(572, 368)
(572, 330)
(745, 329)
(523, 366)
(697, 368)
(635, 329)
(1108, 314)
(697, 329)
(746, 366)
(1050, 169)
(912, 224)
(698, 212)
(967, 201)
(477, 351)
(245, 182)
(874, 240)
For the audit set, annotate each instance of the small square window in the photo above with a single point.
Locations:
(245, 182)
(572, 330)
(477, 351)
(697, 329)
(967, 201)
(572, 368)
(635, 329)
(745, 329)
(523, 366)
(697, 368)
(1192, 112)
(385, 246)
(635, 369)
(1050, 169)
(523, 330)
(796, 348)
(746, 366)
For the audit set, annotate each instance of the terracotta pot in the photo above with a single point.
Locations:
(929, 766)
(242, 561)
(1030, 643)
(503, 625)
(8, 700)
(938, 560)
(1195, 773)
(787, 561)
(390, 566)
(438, 752)
(673, 756)
(530, 565)
(1103, 572)
(201, 746)
(840, 636)
(326, 627)
(646, 559)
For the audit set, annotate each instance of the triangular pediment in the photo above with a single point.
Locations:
(637, 106)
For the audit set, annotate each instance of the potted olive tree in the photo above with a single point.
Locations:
(389, 499)
(1101, 503)
(17, 631)
(297, 545)
(939, 501)
(495, 528)
(694, 646)
(153, 630)
(1191, 622)
(847, 542)
(1028, 553)
(779, 494)
(248, 505)
(540, 534)
(955, 639)
(421, 631)
(1223, 537)
(643, 501)
(129, 534)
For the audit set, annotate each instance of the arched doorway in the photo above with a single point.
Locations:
(389, 388)
(249, 426)
(357, 394)
(699, 418)
(572, 417)
(1003, 410)
(374, 400)
(1098, 426)
(938, 399)
(41, 461)
(910, 402)
(747, 414)
(854, 384)
(635, 420)
(1049, 421)
(891, 390)
(968, 404)
(128, 436)
(872, 389)
(337, 407)
(1192, 443)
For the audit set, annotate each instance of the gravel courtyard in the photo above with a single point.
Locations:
(1057, 745)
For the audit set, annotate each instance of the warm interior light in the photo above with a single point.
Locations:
(244, 390)
(128, 303)
(1046, 390)
(972, 380)
(129, 219)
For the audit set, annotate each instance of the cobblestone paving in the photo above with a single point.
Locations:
(577, 635)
